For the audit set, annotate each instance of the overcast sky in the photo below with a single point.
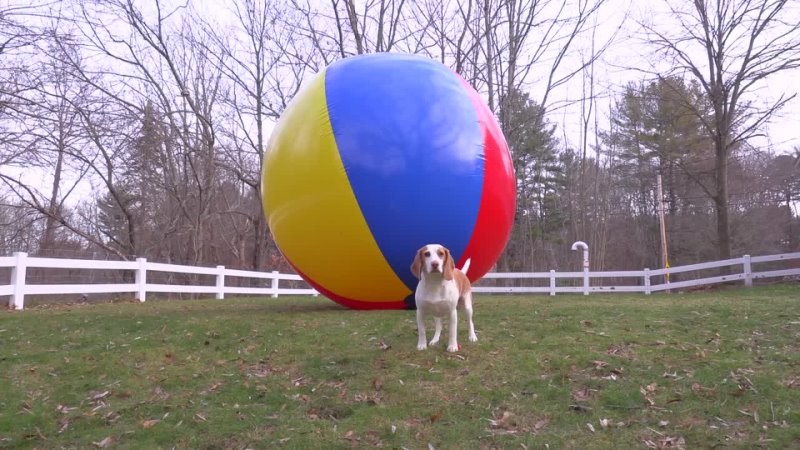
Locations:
(783, 134)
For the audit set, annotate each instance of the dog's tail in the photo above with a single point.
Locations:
(466, 266)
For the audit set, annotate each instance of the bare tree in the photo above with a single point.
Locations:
(48, 129)
(152, 56)
(444, 33)
(260, 61)
(524, 38)
(731, 47)
(343, 28)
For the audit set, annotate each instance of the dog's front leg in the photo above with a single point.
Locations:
(422, 342)
(437, 332)
(452, 343)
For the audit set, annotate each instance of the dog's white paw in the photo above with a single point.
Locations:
(452, 348)
(422, 346)
(473, 338)
(433, 342)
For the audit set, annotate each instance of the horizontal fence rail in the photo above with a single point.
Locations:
(740, 269)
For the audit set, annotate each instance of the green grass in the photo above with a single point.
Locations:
(704, 370)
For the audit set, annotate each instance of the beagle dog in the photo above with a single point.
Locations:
(441, 289)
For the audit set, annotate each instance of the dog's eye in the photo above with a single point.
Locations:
(427, 254)
(440, 253)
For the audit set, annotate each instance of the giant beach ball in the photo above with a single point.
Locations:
(375, 157)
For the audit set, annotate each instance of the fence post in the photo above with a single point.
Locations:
(141, 279)
(220, 282)
(585, 281)
(18, 276)
(748, 271)
(275, 284)
(552, 282)
(646, 281)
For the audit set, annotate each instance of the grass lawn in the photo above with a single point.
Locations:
(716, 369)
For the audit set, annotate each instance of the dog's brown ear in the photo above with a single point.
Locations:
(449, 265)
(416, 266)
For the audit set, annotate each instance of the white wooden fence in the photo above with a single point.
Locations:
(18, 286)
(642, 279)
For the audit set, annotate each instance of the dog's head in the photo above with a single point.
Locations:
(433, 258)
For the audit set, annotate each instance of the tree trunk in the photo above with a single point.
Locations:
(721, 201)
(49, 237)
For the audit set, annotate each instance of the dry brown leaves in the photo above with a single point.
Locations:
(648, 392)
(583, 394)
(665, 442)
(624, 351)
(506, 423)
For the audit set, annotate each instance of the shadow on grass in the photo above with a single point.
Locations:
(297, 305)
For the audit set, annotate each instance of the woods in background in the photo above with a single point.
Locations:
(133, 128)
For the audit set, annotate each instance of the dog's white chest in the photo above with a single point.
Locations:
(438, 299)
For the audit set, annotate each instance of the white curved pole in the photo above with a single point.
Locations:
(585, 247)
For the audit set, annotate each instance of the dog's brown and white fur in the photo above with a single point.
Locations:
(441, 290)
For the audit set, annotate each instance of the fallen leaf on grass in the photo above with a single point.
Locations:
(582, 395)
(95, 396)
(737, 435)
(753, 414)
(159, 394)
(104, 443)
(65, 409)
(150, 423)
(792, 383)
(599, 364)
(351, 436)
(647, 393)
(699, 389)
(740, 376)
(540, 424)
(623, 351)
(505, 421)
(260, 369)
(213, 388)
(613, 376)
(365, 398)
(666, 442)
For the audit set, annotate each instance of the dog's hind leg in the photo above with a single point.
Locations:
(468, 312)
